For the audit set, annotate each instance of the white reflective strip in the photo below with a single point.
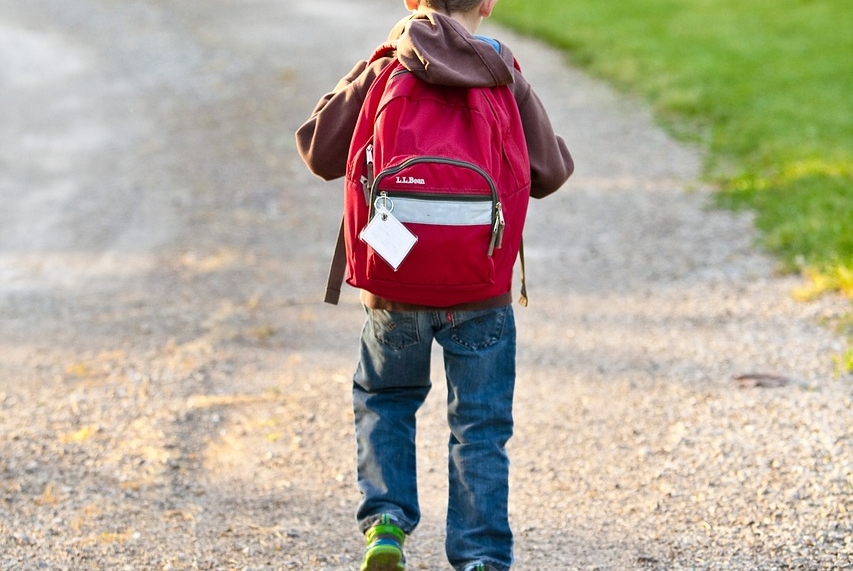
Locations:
(442, 212)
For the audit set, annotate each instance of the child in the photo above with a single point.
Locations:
(391, 382)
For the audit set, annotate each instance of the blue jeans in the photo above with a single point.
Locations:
(390, 385)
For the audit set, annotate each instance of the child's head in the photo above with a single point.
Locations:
(449, 6)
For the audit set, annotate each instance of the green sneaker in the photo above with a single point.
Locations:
(384, 547)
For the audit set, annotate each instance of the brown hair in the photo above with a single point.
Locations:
(448, 6)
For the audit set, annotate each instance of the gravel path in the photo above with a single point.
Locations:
(175, 396)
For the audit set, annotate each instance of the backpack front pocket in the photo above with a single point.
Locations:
(452, 208)
(453, 241)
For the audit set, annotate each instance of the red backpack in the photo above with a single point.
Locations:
(436, 192)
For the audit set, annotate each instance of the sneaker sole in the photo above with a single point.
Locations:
(383, 558)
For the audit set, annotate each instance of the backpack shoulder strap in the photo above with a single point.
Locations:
(336, 269)
(523, 300)
(386, 49)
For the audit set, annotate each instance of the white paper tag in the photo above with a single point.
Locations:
(388, 237)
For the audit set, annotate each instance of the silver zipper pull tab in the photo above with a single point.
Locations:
(367, 181)
(497, 229)
(501, 225)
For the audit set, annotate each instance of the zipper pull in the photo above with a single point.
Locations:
(501, 225)
(497, 229)
(367, 181)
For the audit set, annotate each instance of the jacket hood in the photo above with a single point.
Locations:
(439, 50)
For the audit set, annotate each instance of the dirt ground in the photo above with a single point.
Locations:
(174, 395)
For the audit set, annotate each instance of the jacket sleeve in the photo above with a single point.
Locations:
(551, 164)
(323, 140)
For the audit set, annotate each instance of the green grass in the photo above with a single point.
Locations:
(765, 86)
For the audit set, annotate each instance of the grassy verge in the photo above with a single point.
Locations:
(765, 86)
